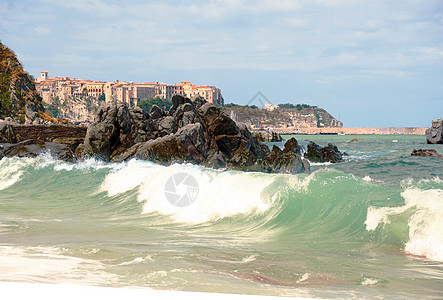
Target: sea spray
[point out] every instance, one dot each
(425, 222)
(12, 169)
(221, 194)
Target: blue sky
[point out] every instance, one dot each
(371, 63)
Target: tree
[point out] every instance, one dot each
(148, 103)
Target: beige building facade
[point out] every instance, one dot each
(60, 90)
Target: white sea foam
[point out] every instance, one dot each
(303, 278)
(12, 170)
(249, 258)
(369, 281)
(129, 177)
(220, 194)
(136, 260)
(320, 163)
(425, 225)
(48, 264)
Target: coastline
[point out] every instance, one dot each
(352, 130)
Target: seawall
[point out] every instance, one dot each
(353, 130)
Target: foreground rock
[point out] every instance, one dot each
(192, 131)
(33, 148)
(426, 153)
(330, 153)
(434, 135)
(62, 134)
(7, 134)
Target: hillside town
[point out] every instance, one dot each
(79, 99)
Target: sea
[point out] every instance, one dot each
(370, 227)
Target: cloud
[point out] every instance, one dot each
(332, 44)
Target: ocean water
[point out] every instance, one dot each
(370, 227)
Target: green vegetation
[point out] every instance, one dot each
(148, 103)
(102, 97)
(237, 105)
(52, 109)
(298, 106)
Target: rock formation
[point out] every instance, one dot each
(18, 96)
(426, 153)
(330, 153)
(192, 131)
(434, 135)
(33, 148)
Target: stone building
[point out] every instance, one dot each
(76, 95)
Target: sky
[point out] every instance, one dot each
(368, 63)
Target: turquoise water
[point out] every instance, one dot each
(369, 227)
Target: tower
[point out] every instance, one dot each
(44, 75)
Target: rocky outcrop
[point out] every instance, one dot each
(426, 153)
(306, 116)
(267, 136)
(7, 134)
(434, 135)
(33, 148)
(330, 153)
(18, 96)
(192, 131)
(287, 160)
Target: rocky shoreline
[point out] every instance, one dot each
(352, 130)
(192, 131)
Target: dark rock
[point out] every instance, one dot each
(216, 160)
(166, 125)
(434, 135)
(102, 137)
(202, 136)
(223, 131)
(330, 153)
(117, 129)
(286, 161)
(292, 146)
(33, 148)
(186, 114)
(7, 134)
(143, 126)
(198, 101)
(177, 100)
(187, 145)
(156, 112)
(426, 153)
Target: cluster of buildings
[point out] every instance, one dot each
(63, 88)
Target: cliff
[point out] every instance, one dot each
(283, 117)
(18, 96)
